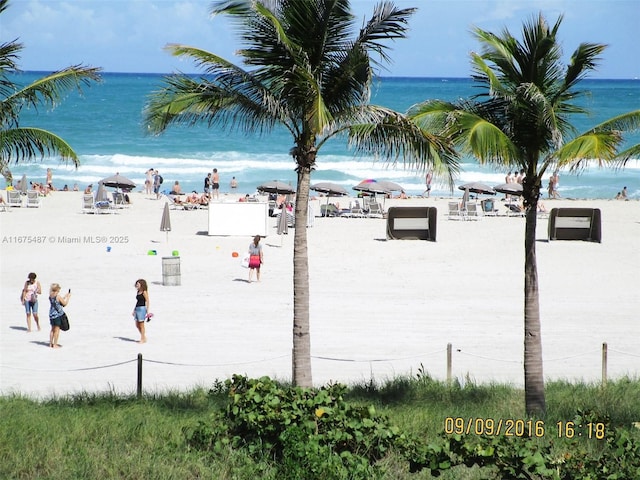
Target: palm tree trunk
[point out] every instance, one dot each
(301, 337)
(533, 375)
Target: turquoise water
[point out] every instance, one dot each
(104, 126)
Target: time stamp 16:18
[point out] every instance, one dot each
(510, 427)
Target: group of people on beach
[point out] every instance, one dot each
(57, 316)
(211, 186)
(141, 311)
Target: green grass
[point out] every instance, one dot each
(115, 437)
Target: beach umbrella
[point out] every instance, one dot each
(118, 181)
(390, 186)
(509, 188)
(371, 186)
(165, 223)
(101, 193)
(276, 186)
(23, 184)
(465, 200)
(331, 189)
(478, 187)
(283, 225)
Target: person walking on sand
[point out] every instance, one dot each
(556, 183)
(207, 184)
(215, 183)
(256, 258)
(428, 180)
(141, 311)
(29, 299)
(148, 182)
(56, 312)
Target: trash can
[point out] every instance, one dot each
(171, 271)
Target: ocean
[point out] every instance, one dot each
(104, 126)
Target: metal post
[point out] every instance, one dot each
(448, 363)
(139, 391)
(604, 364)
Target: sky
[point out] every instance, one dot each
(129, 35)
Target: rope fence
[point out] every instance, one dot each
(449, 361)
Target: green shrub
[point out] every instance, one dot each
(302, 430)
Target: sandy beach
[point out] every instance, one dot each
(379, 308)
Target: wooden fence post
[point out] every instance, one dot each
(604, 364)
(139, 390)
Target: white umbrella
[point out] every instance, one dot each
(23, 184)
(165, 223)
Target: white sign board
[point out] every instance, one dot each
(400, 223)
(573, 222)
(238, 218)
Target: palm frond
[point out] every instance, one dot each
(49, 89)
(600, 146)
(627, 122)
(387, 134)
(584, 59)
(387, 23)
(624, 156)
(27, 144)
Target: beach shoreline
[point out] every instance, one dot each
(378, 308)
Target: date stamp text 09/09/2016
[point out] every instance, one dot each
(510, 427)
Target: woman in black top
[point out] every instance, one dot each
(141, 311)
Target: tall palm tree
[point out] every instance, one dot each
(521, 119)
(27, 143)
(309, 70)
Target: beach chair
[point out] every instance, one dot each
(514, 210)
(473, 212)
(119, 200)
(488, 207)
(355, 210)
(14, 199)
(454, 212)
(88, 205)
(375, 210)
(33, 199)
(176, 204)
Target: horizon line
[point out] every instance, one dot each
(376, 76)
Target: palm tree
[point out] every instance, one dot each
(306, 73)
(27, 143)
(521, 119)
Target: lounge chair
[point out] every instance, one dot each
(329, 210)
(176, 204)
(88, 205)
(120, 200)
(488, 207)
(14, 199)
(375, 210)
(514, 210)
(355, 210)
(33, 199)
(454, 211)
(473, 212)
